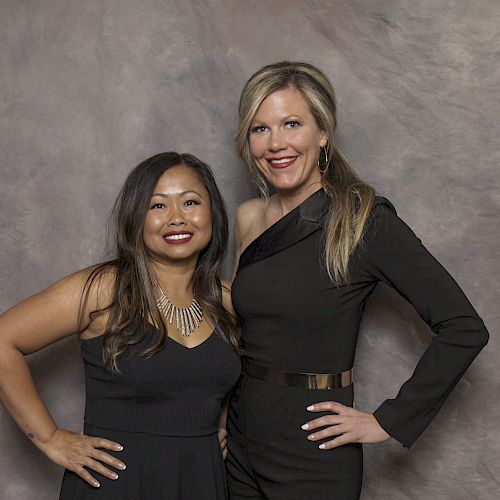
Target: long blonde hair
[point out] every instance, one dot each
(350, 199)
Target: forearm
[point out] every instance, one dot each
(21, 398)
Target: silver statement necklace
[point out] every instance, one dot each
(185, 319)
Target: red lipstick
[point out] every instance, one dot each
(283, 162)
(178, 237)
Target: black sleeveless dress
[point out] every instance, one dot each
(295, 319)
(165, 412)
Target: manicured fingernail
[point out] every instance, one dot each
(114, 475)
(322, 446)
(310, 408)
(121, 466)
(311, 436)
(96, 484)
(305, 427)
(119, 447)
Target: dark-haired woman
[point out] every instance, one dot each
(158, 343)
(310, 255)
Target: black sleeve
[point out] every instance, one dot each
(397, 257)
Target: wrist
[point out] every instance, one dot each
(42, 439)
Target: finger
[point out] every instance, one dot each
(338, 441)
(224, 454)
(86, 476)
(98, 467)
(222, 434)
(98, 442)
(332, 406)
(335, 430)
(223, 445)
(323, 422)
(108, 459)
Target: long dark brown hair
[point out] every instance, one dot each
(350, 198)
(133, 304)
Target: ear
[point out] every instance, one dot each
(323, 139)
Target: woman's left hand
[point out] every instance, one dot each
(345, 425)
(222, 434)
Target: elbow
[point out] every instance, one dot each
(467, 332)
(7, 352)
(481, 335)
(484, 336)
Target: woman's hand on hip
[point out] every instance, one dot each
(78, 452)
(345, 425)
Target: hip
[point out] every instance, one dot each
(267, 408)
(268, 448)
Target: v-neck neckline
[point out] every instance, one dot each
(156, 331)
(204, 341)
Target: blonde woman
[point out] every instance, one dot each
(309, 257)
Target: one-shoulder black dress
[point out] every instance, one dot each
(165, 412)
(294, 319)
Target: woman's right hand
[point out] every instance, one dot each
(78, 452)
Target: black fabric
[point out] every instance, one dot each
(158, 467)
(269, 455)
(164, 411)
(295, 319)
(177, 392)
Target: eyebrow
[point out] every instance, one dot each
(163, 195)
(285, 118)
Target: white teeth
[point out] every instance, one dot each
(282, 160)
(182, 236)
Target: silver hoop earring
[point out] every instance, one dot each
(325, 165)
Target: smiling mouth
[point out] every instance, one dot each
(282, 162)
(177, 238)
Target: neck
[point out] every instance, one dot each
(175, 280)
(289, 200)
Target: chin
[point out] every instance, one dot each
(287, 185)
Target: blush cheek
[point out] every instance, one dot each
(200, 219)
(303, 143)
(258, 148)
(152, 225)
(204, 224)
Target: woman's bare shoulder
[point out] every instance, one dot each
(54, 313)
(252, 208)
(249, 215)
(100, 281)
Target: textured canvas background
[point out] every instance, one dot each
(90, 88)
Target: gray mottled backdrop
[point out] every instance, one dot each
(91, 87)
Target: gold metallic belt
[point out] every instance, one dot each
(303, 380)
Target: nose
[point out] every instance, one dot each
(176, 222)
(176, 217)
(276, 141)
